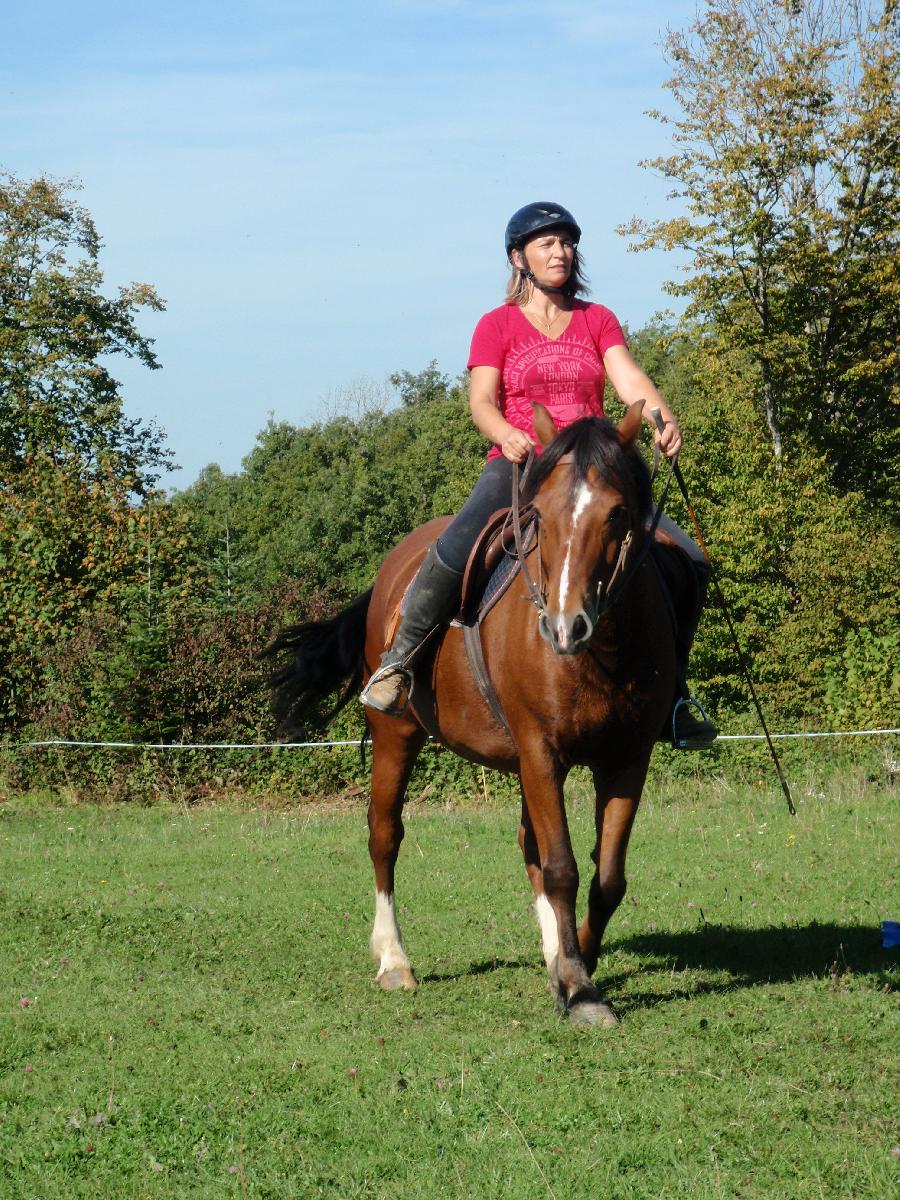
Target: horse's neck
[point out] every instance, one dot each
(627, 631)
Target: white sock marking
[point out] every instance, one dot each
(386, 943)
(549, 930)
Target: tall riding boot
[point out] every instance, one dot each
(686, 729)
(431, 600)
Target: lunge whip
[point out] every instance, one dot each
(742, 659)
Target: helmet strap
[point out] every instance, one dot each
(544, 287)
(530, 276)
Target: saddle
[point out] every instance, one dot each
(491, 567)
(493, 563)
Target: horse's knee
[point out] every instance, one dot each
(385, 836)
(560, 877)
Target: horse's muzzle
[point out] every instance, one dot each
(566, 633)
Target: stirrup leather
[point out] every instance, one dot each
(686, 743)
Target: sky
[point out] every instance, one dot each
(319, 191)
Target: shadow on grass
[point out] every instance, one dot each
(751, 957)
(780, 954)
(482, 968)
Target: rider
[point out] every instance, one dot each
(543, 344)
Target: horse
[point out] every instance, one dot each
(588, 681)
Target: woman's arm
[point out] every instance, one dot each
(633, 384)
(484, 389)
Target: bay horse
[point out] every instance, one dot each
(588, 681)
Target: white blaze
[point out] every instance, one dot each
(582, 500)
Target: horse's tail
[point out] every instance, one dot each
(326, 658)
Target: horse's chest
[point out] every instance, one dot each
(609, 711)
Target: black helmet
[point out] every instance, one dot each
(533, 218)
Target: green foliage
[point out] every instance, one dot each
(184, 676)
(862, 682)
(323, 505)
(72, 541)
(785, 161)
(71, 545)
(57, 331)
(802, 563)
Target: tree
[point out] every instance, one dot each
(72, 539)
(786, 160)
(57, 329)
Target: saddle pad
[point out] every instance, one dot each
(493, 565)
(500, 578)
(484, 593)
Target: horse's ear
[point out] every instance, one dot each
(544, 428)
(630, 426)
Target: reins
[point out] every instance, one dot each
(519, 477)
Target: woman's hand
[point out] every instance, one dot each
(516, 446)
(484, 386)
(669, 438)
(633, 384)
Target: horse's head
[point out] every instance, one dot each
(591, 489)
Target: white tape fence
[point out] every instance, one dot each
(61, 742)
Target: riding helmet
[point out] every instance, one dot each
(531, 219)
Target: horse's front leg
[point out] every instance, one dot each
(544, 820)
(395, 746)
(542, 909)
(616, 808)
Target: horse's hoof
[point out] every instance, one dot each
(397, 978)
(585, 1009)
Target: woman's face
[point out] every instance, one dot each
(549, 255)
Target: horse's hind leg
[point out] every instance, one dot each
(395, 747)
(617, 804)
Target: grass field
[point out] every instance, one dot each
(187, 1008)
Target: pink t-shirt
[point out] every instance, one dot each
(565, 374)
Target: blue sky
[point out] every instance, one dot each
(319, 191)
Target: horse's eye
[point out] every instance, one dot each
(618, 513)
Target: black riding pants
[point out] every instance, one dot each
(492, 491)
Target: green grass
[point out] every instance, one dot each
(201, 1021)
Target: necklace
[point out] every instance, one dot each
(543, 320)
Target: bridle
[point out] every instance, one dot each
(608, 592)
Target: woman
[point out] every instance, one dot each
(543, 344)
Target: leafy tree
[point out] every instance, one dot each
(421, 387)
(71, 546)
(786, 162)
(72, 538)
(803, 564)
(57, 330)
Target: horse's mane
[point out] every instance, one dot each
(594, 442)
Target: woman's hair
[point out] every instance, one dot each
(518, 289)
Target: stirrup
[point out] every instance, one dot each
(705, 732)
(384, 672)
